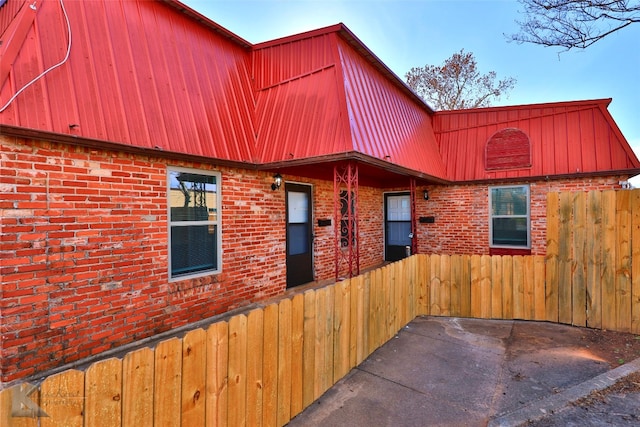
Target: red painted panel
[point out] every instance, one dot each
(8, 12)
(140, 73)
(566, 138)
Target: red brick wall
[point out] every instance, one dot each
(462, 214)
(370, 228)
(84, 252)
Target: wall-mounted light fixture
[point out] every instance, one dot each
(277, 182)
(425, 194)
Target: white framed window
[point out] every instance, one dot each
(194, 213)
(509, 217)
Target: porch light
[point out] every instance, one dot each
(277, 182)
(425, 194)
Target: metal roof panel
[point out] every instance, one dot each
(139, 74)
(567, 138)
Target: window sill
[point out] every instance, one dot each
(509, 251)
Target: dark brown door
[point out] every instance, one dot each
(299, 234)
(397, 225)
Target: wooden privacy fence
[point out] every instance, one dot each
(593, 259)
(266, 366)
(259, 368)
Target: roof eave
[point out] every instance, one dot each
(186, 10)
(618, 172)
(357, 156)
(98, 144)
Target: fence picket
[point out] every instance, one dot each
(401, 285)
(194, 362)
(518, 287)
(465, 286)
(551, 259)
(270, 366)
(341, 328)
(216, 375)
(309, 348)
(255, 347)
(578, 274)
(635, 261)
(137, 388)
(297, 336)
(593, 256)
(167, 383)
(608, 289)
(284, 362)
(410, 278)
(389, 302)
(320, 359)
(237, 387)
(539, 288)
(476, 292)
(456, 281)
(528, 288)
(623, 261)
(485, 286)
(328, 340)
(103, 394)
(507, 287)
(565, 264)
(359, 326)
(496, 287)
(62, 399)
(435, 287)
(424, 304)
(445, 285)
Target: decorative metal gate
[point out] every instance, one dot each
(345, 196)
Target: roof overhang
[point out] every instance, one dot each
(372, 171)
(98, 144)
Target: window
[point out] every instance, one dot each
(509, 217)
(194, 222)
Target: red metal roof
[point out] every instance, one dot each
(567, 138)
(158, 75)
(139, 74)
(318, 95)
(299, 111)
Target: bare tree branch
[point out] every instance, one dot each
(574, 23)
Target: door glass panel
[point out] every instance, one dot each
(398, 233)
(298, 239)
(298, 205)
(398, 208)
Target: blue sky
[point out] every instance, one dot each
(410, 33)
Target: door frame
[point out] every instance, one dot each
(308, 189)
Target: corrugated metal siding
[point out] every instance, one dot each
(299, 113)
(384, 122)
(139, 74)
(566, 138)
(278, 63)
(8, 12)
